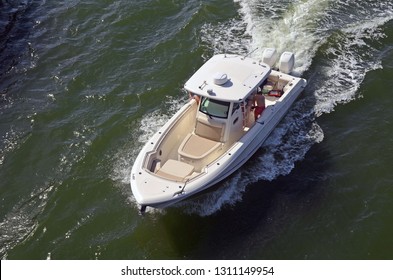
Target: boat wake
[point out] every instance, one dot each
(333, 52)
(324, 41)
(20, 223)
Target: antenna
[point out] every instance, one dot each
(250, 52)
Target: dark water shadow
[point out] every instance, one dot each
(16, 24)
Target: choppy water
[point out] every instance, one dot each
(83, 84)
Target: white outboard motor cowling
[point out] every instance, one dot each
(269, 56)
(287, 61)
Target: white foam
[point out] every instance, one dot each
(227, 37)
(228, 193)
(20, 223)
(10, 142)
(153, 121)
(285, 27)
(77, 148)
(351, 58)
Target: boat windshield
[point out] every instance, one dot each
(214, 108)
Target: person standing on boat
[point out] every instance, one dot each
(259, 104)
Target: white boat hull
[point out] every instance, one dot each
(152, 190)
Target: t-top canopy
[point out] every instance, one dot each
(228, 77)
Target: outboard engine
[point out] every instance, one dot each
(269, 56)
(287, 61)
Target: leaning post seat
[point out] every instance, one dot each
(204, 141)
(197, 147)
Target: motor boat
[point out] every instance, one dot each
(216, 132)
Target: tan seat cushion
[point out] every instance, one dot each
(197, 147)
(175, 170)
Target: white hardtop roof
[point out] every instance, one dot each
(238, 76)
